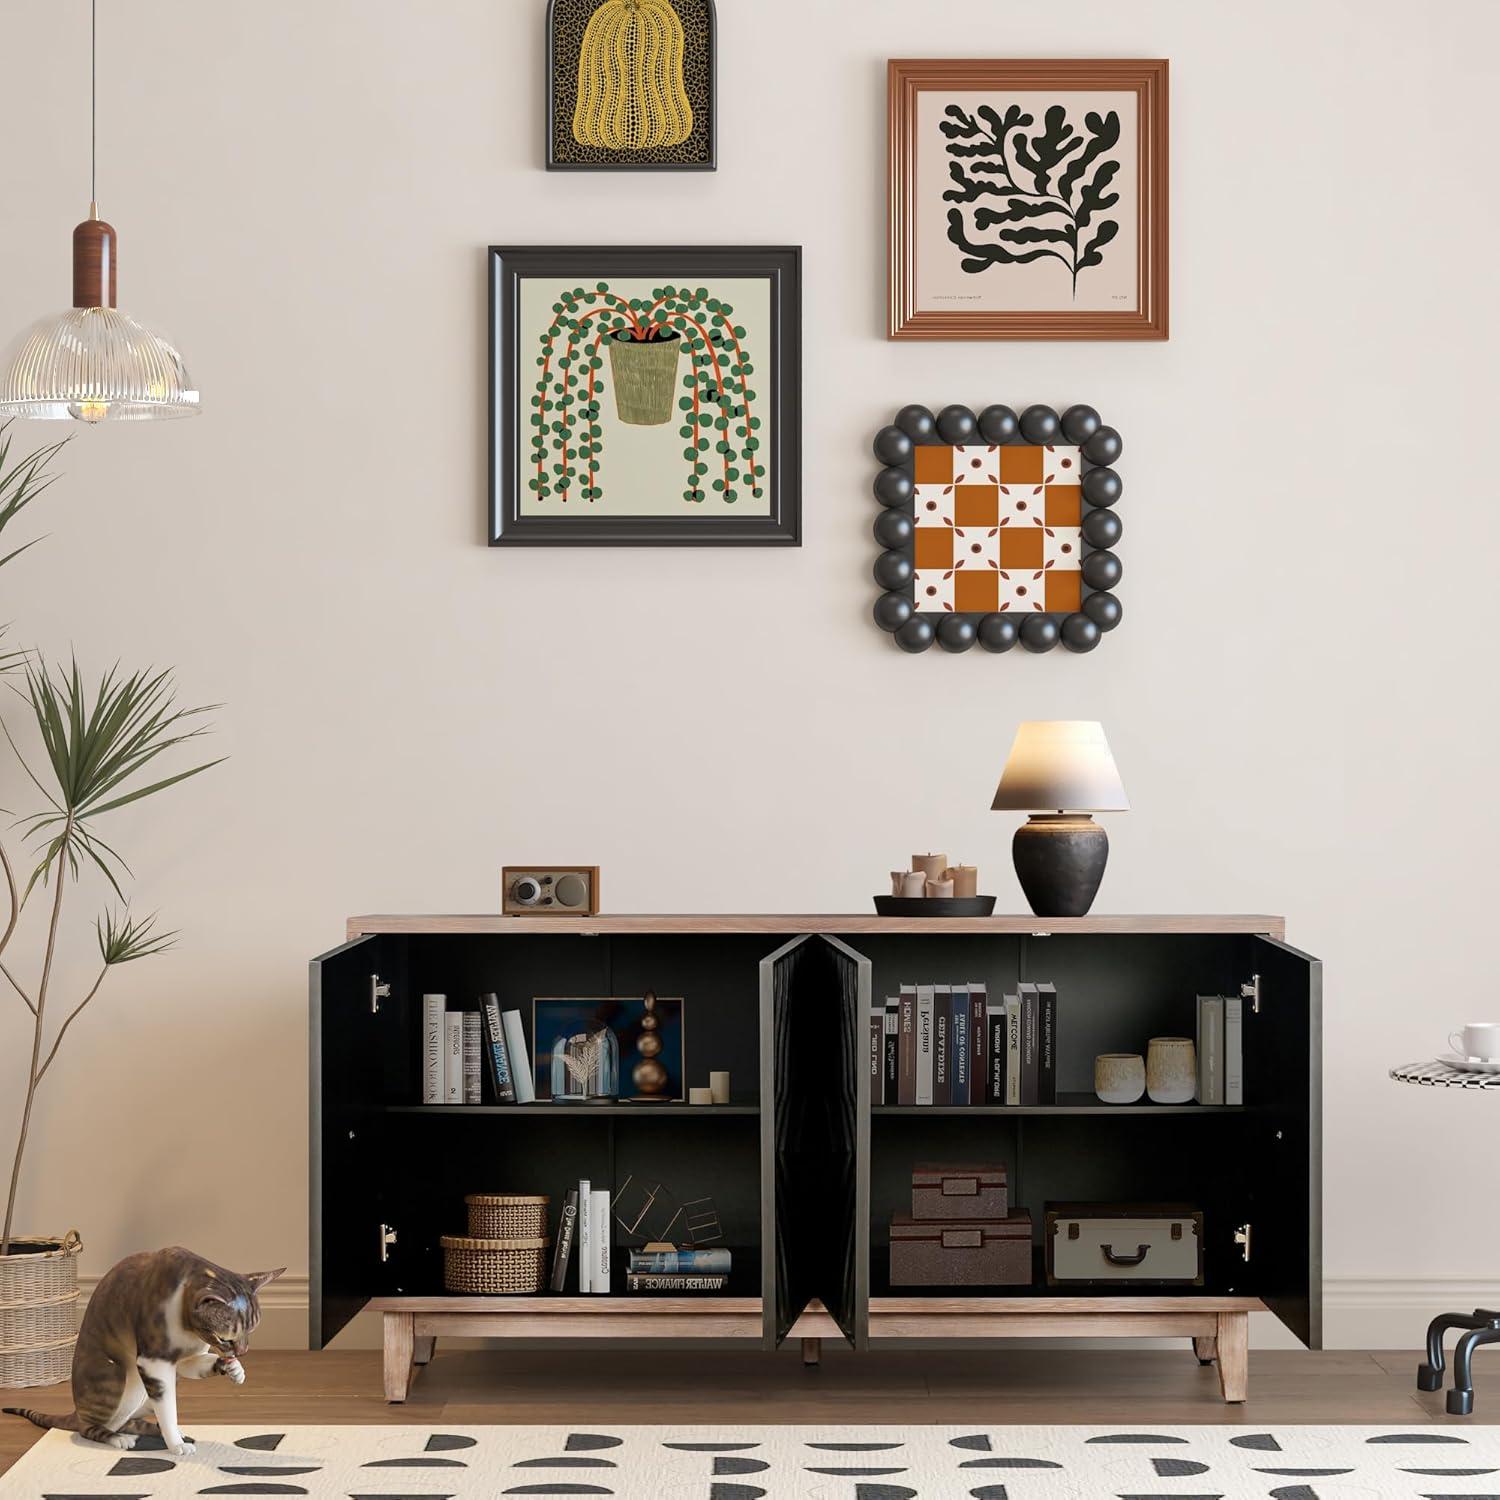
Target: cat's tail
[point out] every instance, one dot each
(44, 1419)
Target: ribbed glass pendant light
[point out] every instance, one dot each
(93, 363)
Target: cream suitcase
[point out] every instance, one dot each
(1105, 1243)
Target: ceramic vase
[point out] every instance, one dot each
(1119, 1077)
(1171, 1070)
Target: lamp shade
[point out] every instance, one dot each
(1062, 765)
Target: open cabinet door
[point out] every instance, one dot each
(1284, 1084)
(815, 1136)
(343, 1261)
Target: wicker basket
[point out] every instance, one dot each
(491, 1267)
(506, 1216)
(38, 1309)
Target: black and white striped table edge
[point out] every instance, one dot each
(1436, 1075)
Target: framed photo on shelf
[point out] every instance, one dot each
(603, 1048)
(647, 396)
(1028, 199)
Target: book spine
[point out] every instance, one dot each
(453, 1057)
(958, 1049)
(1012, 1049)
(1200, 1093)
(907, 1041)
(494, 1026)
(646, 1282)
(520, 1058)
(679, 1262)
(471, 1056)
(892, 1047)
(924, 1044)
(979, 1044)
(585, 1251)
(877, 1055)
(1030, 1054)
(433, 1007)
(562, 1251)
(942, 1044)
(994, 1027)
(1046, 1089)
(1213, 1036)
(599, 1219)
(1234, 1050)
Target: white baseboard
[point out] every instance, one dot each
(1359, 1312)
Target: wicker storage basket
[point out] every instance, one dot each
(491, 1267)
(38, 1309)
(506, 1216)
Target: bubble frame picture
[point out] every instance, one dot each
(999, 530)
(645, 395)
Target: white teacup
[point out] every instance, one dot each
(1479, 1039)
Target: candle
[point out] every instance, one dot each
(942, 888)
(913, 883)
(931, 865)
(965, 879)
(718, 1086)
(700, 1096)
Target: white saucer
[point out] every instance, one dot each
(1469, 1064)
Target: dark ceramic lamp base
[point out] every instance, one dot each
(1060, 859)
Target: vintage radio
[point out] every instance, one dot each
(1095, 1244)
(549, 891)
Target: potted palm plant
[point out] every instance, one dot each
(100, 743)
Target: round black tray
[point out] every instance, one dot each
(935, 906)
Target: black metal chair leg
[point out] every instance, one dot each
(1461, 1398)
(1430, 1375)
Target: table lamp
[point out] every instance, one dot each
(1060, 771)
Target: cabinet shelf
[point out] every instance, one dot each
(575, 1111)
(1067, 1104)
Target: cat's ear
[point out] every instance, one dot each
(258, 1279)
(209, 1297)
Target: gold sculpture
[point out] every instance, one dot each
(631, 94)
(650, 1074)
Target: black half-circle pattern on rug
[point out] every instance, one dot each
(1264, 1442)
(445, 1442)
(560, 1488)
(384, 1496)
(134, 1465)
(734, 1492)
(1416, 1437)
(261, 1442)
(1305, 1473)
(1009, 1463)
(1148, 1495)
(1295, 1492)
(582, 1442)
(711, 1447)
(285, 1471)
(50, 1495)
(723, 1465)
(856, 1473)
(1444, 1473)
(978, 1441)
(990, 1492)
(883, 1492)
(1177, 1468)
(254, 1487)
(415, 1463)
(855, 1447)
(1137, 1437)
(565, 1463)
(151, 1442)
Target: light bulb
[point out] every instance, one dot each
(89, 411)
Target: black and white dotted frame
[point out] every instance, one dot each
(895, 526)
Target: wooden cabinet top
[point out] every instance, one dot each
(857, 922)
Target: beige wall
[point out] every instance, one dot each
(1301, 699)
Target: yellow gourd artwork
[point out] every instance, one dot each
(631, 94)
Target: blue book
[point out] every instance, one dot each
(959, 1060)
(679, 1262)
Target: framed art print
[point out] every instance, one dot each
(1028, 199)
(630, 85)
(645, 396)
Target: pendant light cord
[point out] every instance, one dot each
(93, 99)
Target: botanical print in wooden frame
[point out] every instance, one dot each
(1028, 199)
(998, 530)
(646, 395)
(630, 85)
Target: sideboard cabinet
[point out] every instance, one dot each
(805, 1173)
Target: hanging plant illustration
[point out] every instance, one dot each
(1054, 186)
(631, 93)
(680, 339)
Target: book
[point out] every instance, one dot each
(679, 1262)
(877, 1054)
(453, 1057)
(979, 1043)
(1030, 1054)
(994, 1026)
(584, 1254)
(641, 1281)
(470, 1025)
(942, 1043)
(892, 1063)
(433, 1007)
(599, 1223)
(1012, 1049)
(495, 1051)
(1234, 1050)
(562, 1249)
(520, 1058)
(1210, 1045)
(1046, 1084)
(924, 1044)
(906, 1041)
(959, 1047)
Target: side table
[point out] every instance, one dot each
(1482, 1326)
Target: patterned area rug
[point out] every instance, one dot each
(746, 1463)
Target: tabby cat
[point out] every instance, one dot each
(156, 1316)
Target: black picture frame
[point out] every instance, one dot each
(993, 429)
(779, 370)
(708, 163)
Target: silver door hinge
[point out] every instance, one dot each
(380, 989)
(1251, 992)
(1242, 1239)
(387, 1239)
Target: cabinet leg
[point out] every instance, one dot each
(1207, 1349)
(424, 1346)
(399, 1341)
(812, 1351)
(1233, 1343)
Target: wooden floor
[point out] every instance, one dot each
(900, 1387)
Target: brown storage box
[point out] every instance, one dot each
(1102, 1244)
(968, 1252)
(961, 1192)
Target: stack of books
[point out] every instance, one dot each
(669, 1270)
(1221, 1050)
(952, 1044)
(458, 1047)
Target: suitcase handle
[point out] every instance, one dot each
(1125, 1260)
(960, 1187)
